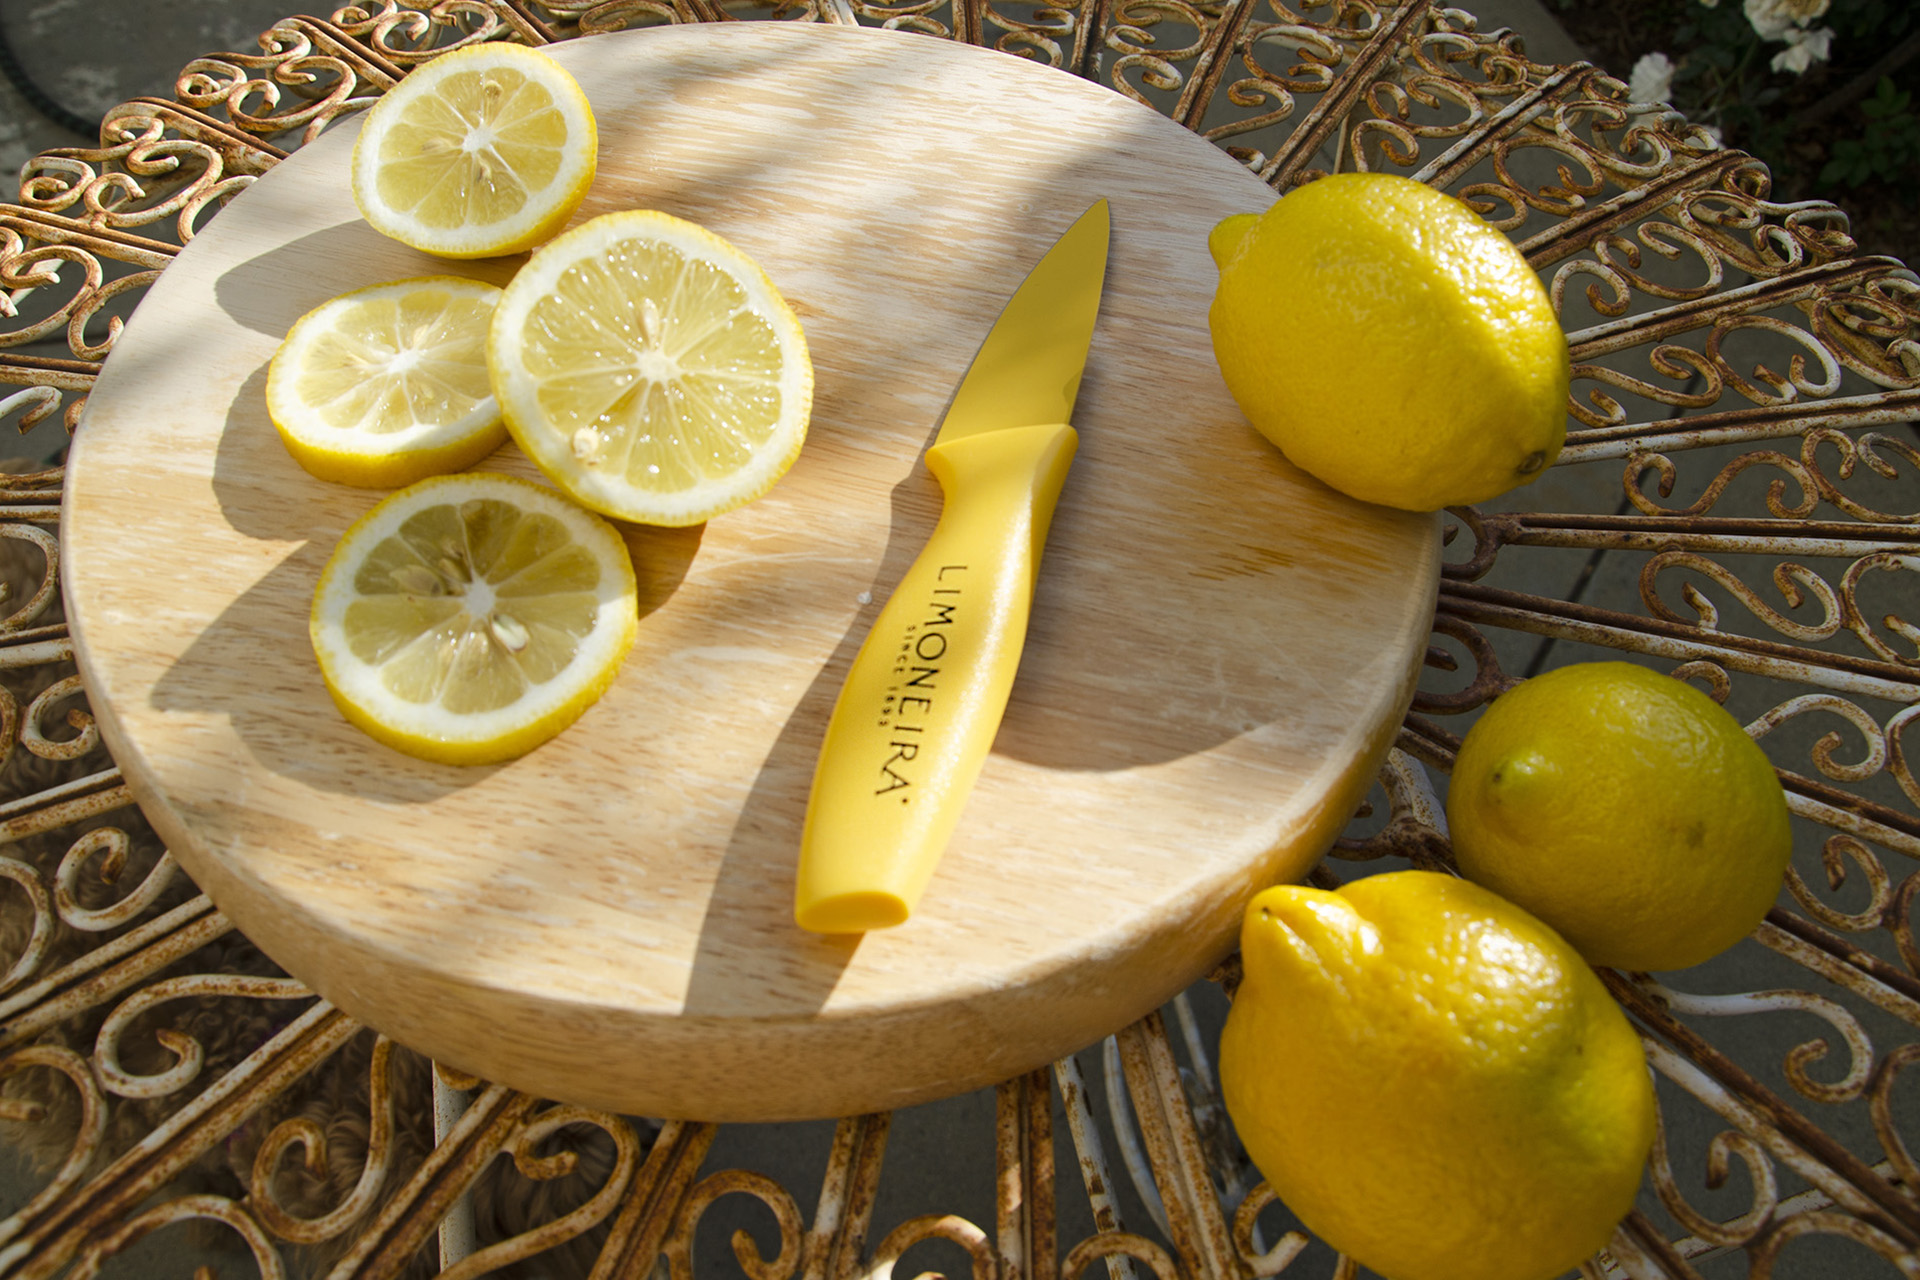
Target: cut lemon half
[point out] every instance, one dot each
(468, 619)
(486, 150)
(651, 369)
(387, 385)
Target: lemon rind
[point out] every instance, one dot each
(395, 471)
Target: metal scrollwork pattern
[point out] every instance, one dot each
(1748, 377)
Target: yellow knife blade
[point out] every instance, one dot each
(925, 694)
(1028, 370)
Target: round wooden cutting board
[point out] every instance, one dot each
(1220, 649)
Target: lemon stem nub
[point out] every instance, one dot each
(1225, 239)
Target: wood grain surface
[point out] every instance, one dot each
(1221, 647)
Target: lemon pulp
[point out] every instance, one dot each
(469, 618)
(485, 150)
(386, 385)
(651, 369)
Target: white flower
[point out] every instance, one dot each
(1804, 48)
(1772, 19)
(1652, 79)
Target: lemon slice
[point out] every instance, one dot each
(469, 618)
(387, 385)
(485, 150)
(651, 369)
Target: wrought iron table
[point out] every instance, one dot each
(163, 1070)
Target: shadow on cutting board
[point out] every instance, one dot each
(254, 662)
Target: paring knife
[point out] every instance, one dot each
(925, 694)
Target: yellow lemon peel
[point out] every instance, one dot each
(1415, 1043)
(1626, 809)
(1390, 342)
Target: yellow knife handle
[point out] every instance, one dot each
(924, 698)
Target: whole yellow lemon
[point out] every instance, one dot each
(1432, 1080)
(1390, 342)
(1626, 809)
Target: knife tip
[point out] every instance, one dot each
(1098, 213)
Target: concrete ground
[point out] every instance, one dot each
(89, 54)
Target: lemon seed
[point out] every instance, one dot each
(417, 580)
(509, 631)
